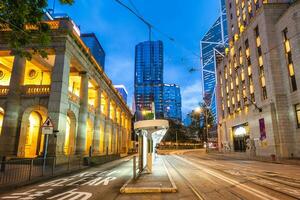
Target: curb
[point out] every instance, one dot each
(135, 190)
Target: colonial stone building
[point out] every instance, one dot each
(71, 88)
(259, 79)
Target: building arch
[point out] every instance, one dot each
(71, 126)
(31, 140)
(89, 134)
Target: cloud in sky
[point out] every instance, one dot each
(191, 96)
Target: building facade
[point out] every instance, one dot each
(123, 92)
(172, 102)
(148, 79)
(70, 88)
(95, 47)
(212, 47)
(258, 80)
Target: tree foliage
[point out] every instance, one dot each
(16, 14)
(198, 126)
(176, 128)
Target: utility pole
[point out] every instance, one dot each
(138, 16)
(176, 140)
(206, 123)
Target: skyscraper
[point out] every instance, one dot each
(172, 102)
(212, 46)
(148, 78)
(258, 79)
(93, 43)
(122, 90)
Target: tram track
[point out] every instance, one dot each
(188, 183)
(255, 179)
(292, 183)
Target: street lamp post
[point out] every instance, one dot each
(206, 124)
(205, 112)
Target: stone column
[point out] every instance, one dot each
(107, 124)
(12, 116)
(115, 129)
(83, 114)
(59, 101)
(97, 122)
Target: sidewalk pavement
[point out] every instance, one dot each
(159, 181)
(245, 156)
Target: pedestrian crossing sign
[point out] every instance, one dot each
(47, 127)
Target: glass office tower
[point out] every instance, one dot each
(148, 78)
(213, 46)
(93, 43)
(122, 90)
(172, 102)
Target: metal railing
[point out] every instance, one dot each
(22, 171)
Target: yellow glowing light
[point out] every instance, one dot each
(67, 136)
(287, 46)
(1, 118)
(291, 69)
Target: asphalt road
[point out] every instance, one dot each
(197, 176)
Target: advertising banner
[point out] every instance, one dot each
(262, 129)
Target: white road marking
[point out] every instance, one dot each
(72, 195)
(86, 178)
(237, 184)
(28, 195)
(99, 180)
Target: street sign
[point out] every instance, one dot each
(47, 127)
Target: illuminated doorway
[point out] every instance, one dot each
(34, 140)
(89, 136)
(67, 136)
(240, 136)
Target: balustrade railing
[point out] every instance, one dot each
(33, 90)
(91, 108)
(4, 90)
(74, 98)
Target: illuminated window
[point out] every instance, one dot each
(261, 64)
(297, 109)
(112, 111)
(1, 118)
(289, 60)
(104, 104)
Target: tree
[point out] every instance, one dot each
(16, 14)
(176, 128)
(198, 126)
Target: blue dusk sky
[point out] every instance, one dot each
(119, 31)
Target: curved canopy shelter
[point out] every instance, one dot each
(150, 133)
